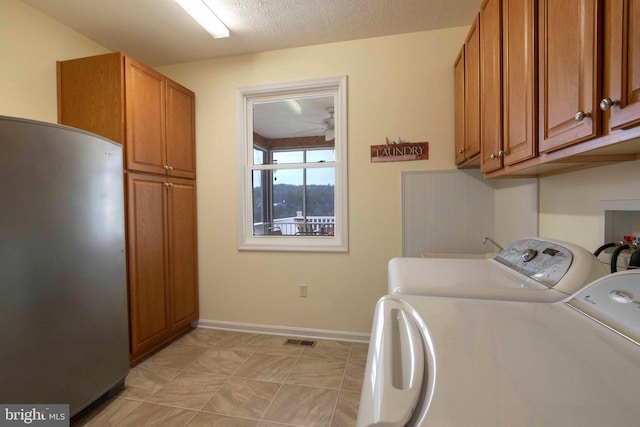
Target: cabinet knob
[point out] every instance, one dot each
(168, 184)
(501, 153)
(581, 115)
(166, 167)
(170, 168)
(607, 103)
(493, 156)
(462, 150)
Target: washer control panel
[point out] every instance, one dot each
(613, 301)
(545, 262)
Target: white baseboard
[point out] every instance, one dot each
(283, 330)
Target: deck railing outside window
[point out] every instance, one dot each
(297, 226)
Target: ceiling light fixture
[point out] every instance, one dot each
(200, 11)
(295, 106)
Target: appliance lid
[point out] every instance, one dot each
(518, 272)
(614, 302)
(517, 363)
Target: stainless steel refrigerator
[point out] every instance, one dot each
(63, 306)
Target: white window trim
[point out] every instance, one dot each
(246, 239)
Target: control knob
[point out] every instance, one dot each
(529, 254)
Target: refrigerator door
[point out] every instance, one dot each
(63, 289)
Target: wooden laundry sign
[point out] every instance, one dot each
(400, 152)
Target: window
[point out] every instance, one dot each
(292, 166)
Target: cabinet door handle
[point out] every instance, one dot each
(581, 115)
(168, 184)
(607, 103)
(495, 156)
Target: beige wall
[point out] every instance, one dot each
(570, 203)
(397, 86)
(30, 45)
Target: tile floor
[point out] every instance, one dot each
(214, 378)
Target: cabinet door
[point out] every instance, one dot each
(472, 90)
(622, 64)
(459, 110)
(569, 76)
(145, 145)
(491, 85)
(180, 115)
(147, 254)
(519, 80)
(183, 252)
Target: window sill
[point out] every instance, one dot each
(294, 244)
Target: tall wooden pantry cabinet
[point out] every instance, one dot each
(153, 117)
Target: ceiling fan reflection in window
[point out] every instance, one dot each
(291, 118)
(327, 126)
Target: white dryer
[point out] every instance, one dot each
(532, 269)
(460, 362)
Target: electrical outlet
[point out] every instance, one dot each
(302, 291)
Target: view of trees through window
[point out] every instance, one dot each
(289, 200)
(294, 193)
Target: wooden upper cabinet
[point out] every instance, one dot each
(146, 143)
(519, 80)
(505, 101)
(491, 85)
(569, 86)
(122, 99)
(472, 90)
(91, 95)
(569, 72)
(621, 92)
(459, 108)
(180, 114)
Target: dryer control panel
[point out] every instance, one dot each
(614, 301)
(543, 261)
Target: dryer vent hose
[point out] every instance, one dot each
(614, 257)
(634, 261)
(603, 247)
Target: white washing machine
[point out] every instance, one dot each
(459, 362)
(532, 269)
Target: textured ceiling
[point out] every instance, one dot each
(159, 32)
